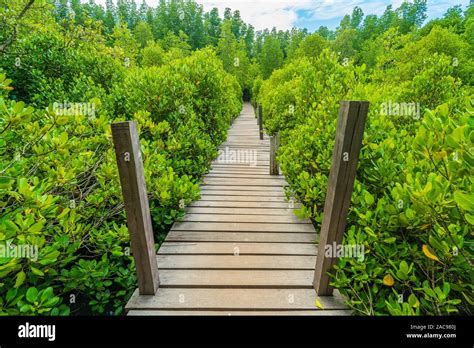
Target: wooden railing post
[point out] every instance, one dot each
(260, 121)
(349, 133)
(274, 144)
(132, 180)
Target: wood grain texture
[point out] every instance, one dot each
(349, 133)
(216, 248)
(274, 145)
(132, 181)
(289, 262)
(326, 312)
(245, 237)
(248, 279)
(235, 299)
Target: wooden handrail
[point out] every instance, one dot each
(274, 145)
(349, 133)
(132, 180)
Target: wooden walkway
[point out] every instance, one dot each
(240, 250)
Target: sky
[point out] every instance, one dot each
(310, 14)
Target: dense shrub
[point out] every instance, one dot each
(412, 203)
(59, 189)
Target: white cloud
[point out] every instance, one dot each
(283, 14)
(262, 13)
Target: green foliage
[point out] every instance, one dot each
(411, 205)
(143, 33)
(152, 55)
(271, 56)
(234, 56)
(311, 46)
(60, 196)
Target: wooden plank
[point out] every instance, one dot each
(238, 171)
(326, 312)
(236, 279)
(234, 175)
(267, 197)
(242, 227)
(241, 211)
(274, 219)
(235, 299)
(240, 167)
(349, 133)
(261, 146)
(246, 182)
(262, 204)
(259, 164)
(242, 237)
(236, 262)
(247, 193)
(230, 188)
(132, 180)
(213, 248)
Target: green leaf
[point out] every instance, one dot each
(31, 294)
(18, 107)
(36, 271)
(20, 279)
(404, 266)
(446, 289)
(470, 218)
(452, 142)
(413, 301)
(46, 294)
(464, 200)
(25, 308)
(11, 294)
(37, 227)
(51, 302)
(11, 226)
(369, 199)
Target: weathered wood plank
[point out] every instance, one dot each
(217, 236)
(213, 248)
(246, 182)
(245, 171)
(241, 211)
(233, 175)
(247, 193)
(326, 312)
(235, 299)
(236, 262)
(229, 188)
(240, 167)
(236, 278)
(274, 219)
(218, 196)
(262, 204)
(242, 227)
